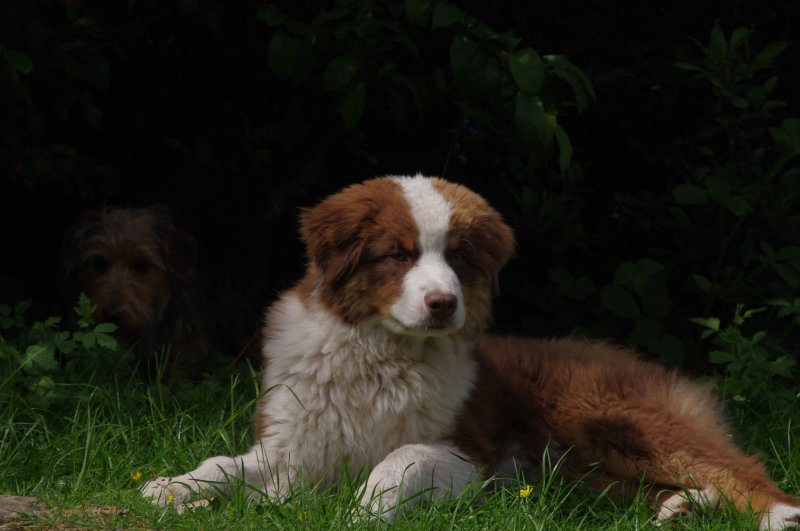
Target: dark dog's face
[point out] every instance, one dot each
(127, 261)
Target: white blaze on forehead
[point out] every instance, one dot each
(430, 211)
(431, 272)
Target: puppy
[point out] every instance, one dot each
(139, 269)
(377, 354)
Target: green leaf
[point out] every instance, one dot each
(736, 204)
(770, 84)
(564, 148)
(92, 114)
(766, 56)
(528, 111)
(527, 69)
(720, 356)
(446, 14)
(66, 150)
(739, 102)
(291, 59)
(63, 342)
(690, 194)
(106, 341)
(689, 67)
(712, 323)
(702, 282)
(271, 16)
(625, 274)
(105, 328)
(620, 302)
(475, 72)
(417, 12)
(787, 274)
(567, 71)
(783, 366)
(546, 127)
(718, 46)
(739, 36)
(718, 185)
(88, 339)
(339, 72)
(19, 60)
(41, 356)
(655, 298)
(353, 106)
(768, 250)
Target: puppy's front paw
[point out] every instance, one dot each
(381, 505)
(166, 491)
(780, 516)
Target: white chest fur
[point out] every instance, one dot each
(336, 390)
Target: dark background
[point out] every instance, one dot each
(183, 103)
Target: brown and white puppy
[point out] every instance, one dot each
(139, 269)
(377, 355)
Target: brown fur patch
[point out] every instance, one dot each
(636, 419)
(351, 238)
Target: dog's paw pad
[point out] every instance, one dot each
(780, 516)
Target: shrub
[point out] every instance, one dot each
(39, 362)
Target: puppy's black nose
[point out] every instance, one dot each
(441, 305)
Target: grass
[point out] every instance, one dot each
(87, 456)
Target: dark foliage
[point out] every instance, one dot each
(656, 183)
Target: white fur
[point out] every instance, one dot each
(682, 503)
(337, 391)
(430, 273)
(414, 473)
(780, 516)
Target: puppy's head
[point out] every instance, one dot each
(420, 256)
(128, 261)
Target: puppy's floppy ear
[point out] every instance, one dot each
(76, 237)
(182, 255)
(179, 247)
(333, 233)
(500, 243)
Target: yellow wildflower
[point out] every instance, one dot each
(301, 515)
(170, 498)
(136, 476)
(525, 492)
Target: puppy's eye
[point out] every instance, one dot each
(100, 264)
(140, 267)
(458, 258)
(399, 256)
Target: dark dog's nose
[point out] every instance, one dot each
(113, 314)
(441, 305)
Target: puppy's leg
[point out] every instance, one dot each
(681, 441)
(413, 473)
(216, 474)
